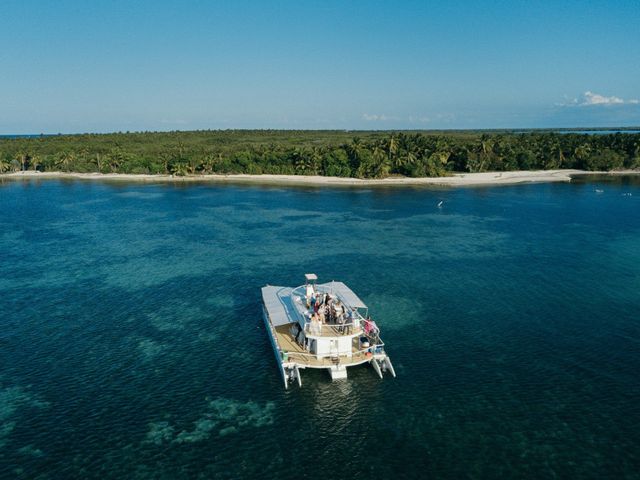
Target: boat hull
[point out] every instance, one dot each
(299, 342)
(276, 349)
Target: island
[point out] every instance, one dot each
(462, 157)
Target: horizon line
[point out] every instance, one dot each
(380, 130)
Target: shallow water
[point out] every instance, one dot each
(132, 346)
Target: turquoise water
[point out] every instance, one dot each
(132, 346)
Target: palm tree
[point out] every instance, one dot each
(381, 164)
(166, 157)
(66, 160)
(404, 162)
(181, 149)
(302, 162)
(410, 159)
(23, 158)
(355, 150)
(581, 154)
(117, 158)
(98, 159)
(4, 165)
(379, 150)
(35, 162)
(179, 168)
(443, 156)
(208, 163)
(114, 163)
(315, 160)
(552, 154)
(483, 153)
(392, 147)
(192, 165)
(635, 160)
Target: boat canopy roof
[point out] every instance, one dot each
(279, 305)
(344, 292)
(279, 302)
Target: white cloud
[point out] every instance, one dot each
(374, 118)
(590, 98)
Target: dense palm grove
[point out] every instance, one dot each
(331, 153)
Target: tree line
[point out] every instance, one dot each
(329, 153)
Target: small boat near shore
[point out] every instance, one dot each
(321, 326)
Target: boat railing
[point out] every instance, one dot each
(372, 349)
(356, 325)
(333, 329)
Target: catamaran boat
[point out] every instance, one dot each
(321, 326)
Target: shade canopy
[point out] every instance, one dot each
(343, 292)
(279, 305)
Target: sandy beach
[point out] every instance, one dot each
(456, 180)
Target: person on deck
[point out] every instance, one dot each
(339, 313)
(315, 324)
(309, 295)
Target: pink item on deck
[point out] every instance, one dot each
(368, 326)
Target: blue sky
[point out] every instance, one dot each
(100, 66)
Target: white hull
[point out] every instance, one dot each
(276, 349)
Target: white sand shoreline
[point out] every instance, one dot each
(456, 180)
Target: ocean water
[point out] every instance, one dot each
(598, 132)
(132, 345)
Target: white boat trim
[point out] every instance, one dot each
(376, 367)
(387, 362)
(274, 343)
(297, 374)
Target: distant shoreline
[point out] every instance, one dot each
(455, 180)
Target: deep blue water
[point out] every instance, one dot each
(582, 132)
(24, 135)
(598, 132)
(132, 346)
(579, 132)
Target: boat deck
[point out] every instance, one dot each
(303, 358)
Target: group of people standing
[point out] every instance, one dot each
(329, 311)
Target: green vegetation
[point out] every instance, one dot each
(371, 154)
